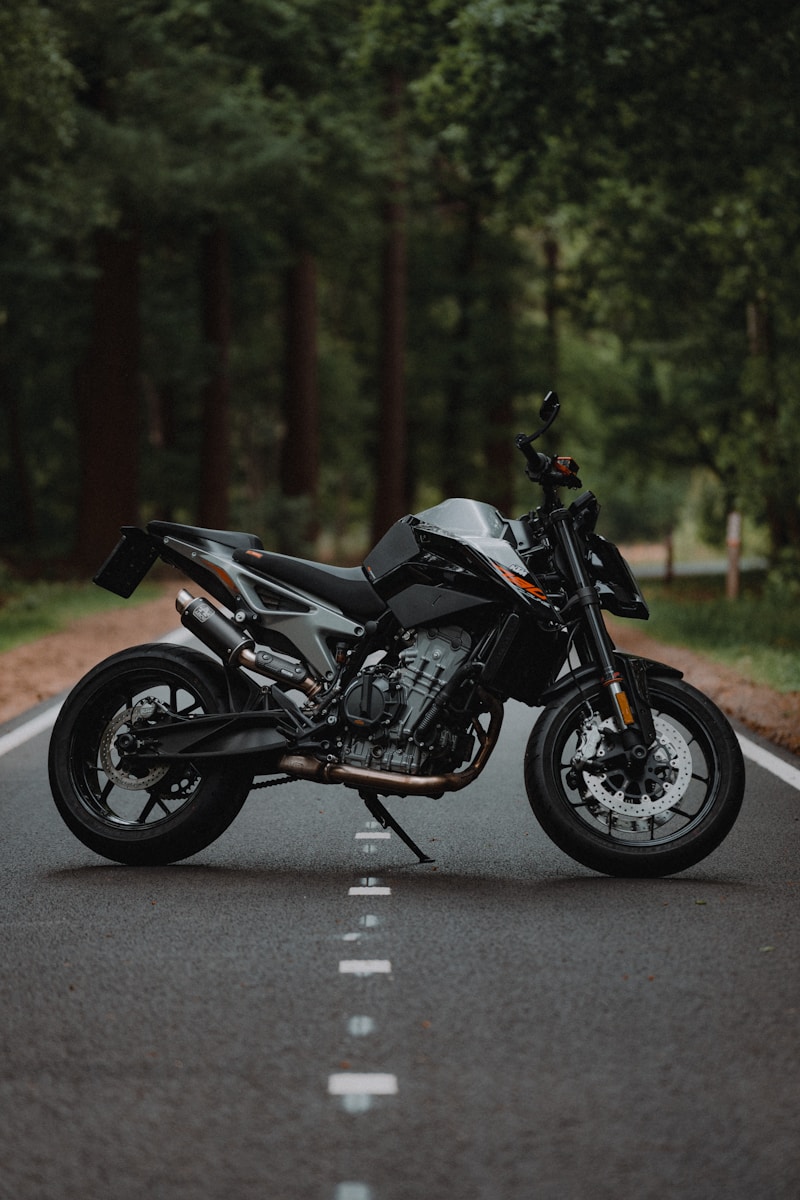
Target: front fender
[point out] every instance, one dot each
(632, 667)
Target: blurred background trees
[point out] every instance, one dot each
(301, 268)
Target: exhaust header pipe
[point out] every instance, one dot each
(391, 783)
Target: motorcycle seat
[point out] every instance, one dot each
(346, 587)
(232, 539)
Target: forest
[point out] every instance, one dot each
(303, 266)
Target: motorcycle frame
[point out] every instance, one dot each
(299, 617)
(263, 610)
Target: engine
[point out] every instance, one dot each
(388, 709)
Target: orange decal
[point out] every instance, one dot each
(524, 584)
(223, 575)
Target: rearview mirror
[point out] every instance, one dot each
(547, 414)
(549, 410)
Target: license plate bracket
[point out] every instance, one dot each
(128, 563)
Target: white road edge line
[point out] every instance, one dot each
(770, 762)
(31, 729)
(46, 719)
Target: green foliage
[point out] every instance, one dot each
(759, 635)
(600, 194)
(672, 158)
(32, 610)
(36, 80)
(783, 580)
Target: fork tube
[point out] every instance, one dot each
(586, 595)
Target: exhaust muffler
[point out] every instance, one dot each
(236, 647)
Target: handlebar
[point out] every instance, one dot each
(548, 471)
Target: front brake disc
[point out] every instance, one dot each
(649, 789)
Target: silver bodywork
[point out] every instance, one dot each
(302, 618)
(479, 524)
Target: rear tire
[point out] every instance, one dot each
(162, 814)
(651, 822)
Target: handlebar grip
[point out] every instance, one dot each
(538, 466)
(538, 463)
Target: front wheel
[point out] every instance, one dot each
(142, 816)
(636, 819)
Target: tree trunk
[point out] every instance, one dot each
(107, 402)
(782, 513)
(455, 473)
(215, 467)
(551, 304)
(391, 491)
(503, 460)
(24, 510)
(301, 453)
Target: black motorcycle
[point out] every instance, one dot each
(391, 678)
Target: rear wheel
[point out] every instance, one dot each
(627, 818)
(142, 815)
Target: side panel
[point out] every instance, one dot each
(397, 546)
(422, 604)
(525, 659)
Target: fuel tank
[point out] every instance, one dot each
(446, 561)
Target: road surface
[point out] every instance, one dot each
(302, 1012)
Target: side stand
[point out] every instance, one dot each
(387, 821)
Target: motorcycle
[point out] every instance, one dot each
(391, 679)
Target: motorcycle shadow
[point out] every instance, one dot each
(413, 881)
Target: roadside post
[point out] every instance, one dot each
(734, 544)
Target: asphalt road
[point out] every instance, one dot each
(503, 1025)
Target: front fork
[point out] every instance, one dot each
(627, 695)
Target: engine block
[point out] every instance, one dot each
(385, 705)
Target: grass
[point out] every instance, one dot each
(31, 610)
(758, 634)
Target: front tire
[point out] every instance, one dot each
(654, 820)
(155, 815)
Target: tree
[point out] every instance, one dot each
(37, 128)
(212, 121)
(300, 458)
(391, 490)
(673, 154)
(107, 401)
(215, 474)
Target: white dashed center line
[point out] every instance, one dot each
(356, 1089)
(349, 1083)
(365, 966)
(360, 1026)
(353, 1191)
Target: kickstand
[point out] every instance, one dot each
(387, 821)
